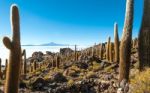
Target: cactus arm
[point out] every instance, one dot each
(7, 42)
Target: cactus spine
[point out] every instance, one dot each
(116, 43)
(144, 37)
(12, 78)
(107, 49)
(125, 46)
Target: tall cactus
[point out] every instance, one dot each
(6, 66)
(34, 65)
(144, 37)
(31, 67)
(116, 43)
(101, 51)
(134, 43)
(12, 78)
(92, 51)
(125, 46)
(58, 61)
(24, 63)
(111, 46)
(75, 53)
(107, 49)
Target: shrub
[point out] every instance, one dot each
(96, 66)
(141, 82)
(70, 82)
(91, 75)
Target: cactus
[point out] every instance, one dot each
(24, 63)
(101, 51)
(58, 61)
(111, 52)
(134, 43)
(107, 49)
(53, 62)
(94, 50)
(6, 65)
(12, 78)
(75, 53)
(116, 43)
(144, 38)
(34, 65)
(125, 46)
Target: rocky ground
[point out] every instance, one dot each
(87, 75)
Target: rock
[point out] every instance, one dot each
(104, 64)
(67, 65)
(126, 88)
(58, 77)
(49, 53)
(66, 51)
(105, 86)
(82, 65)
(91, 75)
(38, 56)
(38, 84)
(123, 83)
(22, 85)
(119, 90)
(108, 77)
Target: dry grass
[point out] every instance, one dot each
(141, 82)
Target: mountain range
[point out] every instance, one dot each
(47, 44)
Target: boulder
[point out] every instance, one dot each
(38, 84)
(58, 77)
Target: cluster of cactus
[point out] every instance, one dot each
(111, 50)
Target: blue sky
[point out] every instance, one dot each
(81, 22)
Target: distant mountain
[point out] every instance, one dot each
(53, 44)
(47, 44)
(29, 45)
